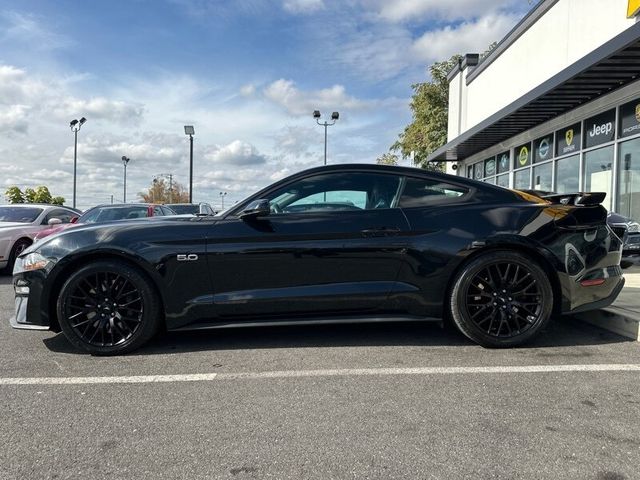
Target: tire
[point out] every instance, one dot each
(108, 308)
(501, 299)
(18, 247)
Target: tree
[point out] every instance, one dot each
(387, 159)
(429, 107)
(40, 194)
(14, 195)
(430, 111)
(159, 192)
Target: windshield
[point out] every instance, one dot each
(108, 214)
(19, 214)
(184, 208)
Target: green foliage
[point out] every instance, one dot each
(40, 194)
(387, 159)
(429, 106)
(14, 195)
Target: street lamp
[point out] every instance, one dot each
(222, 195)
(188, 130)
(75, 126)
(334, 116)
(125, 160)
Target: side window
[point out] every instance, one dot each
(64, 215)
(157, 211)
(337, 192)
(423, 192)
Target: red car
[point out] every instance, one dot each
(110, 213)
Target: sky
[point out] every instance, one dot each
(247, 74)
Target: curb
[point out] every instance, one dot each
(614, 319)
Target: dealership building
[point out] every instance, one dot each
(555, 106)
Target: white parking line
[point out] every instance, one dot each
(207, 377)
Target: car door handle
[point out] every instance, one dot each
(380, 232)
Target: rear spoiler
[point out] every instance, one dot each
(578, 198)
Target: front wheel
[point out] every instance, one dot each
(501, 299)
(108, 308)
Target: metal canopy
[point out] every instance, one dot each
(611, 66)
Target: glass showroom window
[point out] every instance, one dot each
(568, 174)
(542, 177)
(522, 179)
(597, 172)
(503, 180)
(629, 179)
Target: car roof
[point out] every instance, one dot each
(38, 205)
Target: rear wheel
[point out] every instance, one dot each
(108, 308)
(501, 299)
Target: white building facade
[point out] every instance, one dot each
(555, 106)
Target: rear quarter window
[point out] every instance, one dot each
(424, 192)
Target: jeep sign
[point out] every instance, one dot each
(600, 129)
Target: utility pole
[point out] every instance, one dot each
(334, 116)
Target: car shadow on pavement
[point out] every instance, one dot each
(563, 332)
(6, 279)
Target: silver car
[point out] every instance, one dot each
(20, 223)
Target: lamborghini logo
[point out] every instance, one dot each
(524, 156)
(638, 113)
(569, 137)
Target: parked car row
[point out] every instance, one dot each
(23, 224)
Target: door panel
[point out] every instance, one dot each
(310, 263)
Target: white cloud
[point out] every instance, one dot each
(25, 98)
(303, 6)
(237, 153)
(468, 37)
(247, 90)
(417, 10)
(298, 102)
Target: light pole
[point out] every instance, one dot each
(75, 126)
(222, 195)
(170, 177)
(188, 130)
(125, 161)
(334, 116)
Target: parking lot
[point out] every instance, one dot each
(366, 401)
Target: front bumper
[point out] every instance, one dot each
(30, 312)
(19, 319)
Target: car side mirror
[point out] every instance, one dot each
(54, 221)
(257, 208)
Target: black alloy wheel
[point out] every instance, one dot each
(502, 298)
(108, 308)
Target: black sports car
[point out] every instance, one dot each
(346, 243)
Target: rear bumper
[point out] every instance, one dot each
(618, 284)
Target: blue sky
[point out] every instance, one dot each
(247, 74)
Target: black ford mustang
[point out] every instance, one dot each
(342, 243)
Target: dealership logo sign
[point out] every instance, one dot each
(523, 157)
(604, 129)
(569, 137)
(504, 162)
(543, 149)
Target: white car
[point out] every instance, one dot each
(19, 224)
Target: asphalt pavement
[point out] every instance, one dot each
(366, 401)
